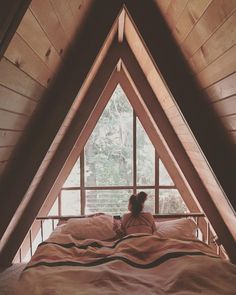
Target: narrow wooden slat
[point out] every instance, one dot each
(163, 5)
(217, 12)
(223, 66)
(174, 11)
(12, 121)
(35, 37)
(48, 20)
(5, 152)
(222, 40)
(10, 17)
(19, 53)
(12, 101)
(224, 88)
(230, 122)
(17, 80)
(9, 138)
(2, 167)
(190, 16)
(226, 106)
(65, 16)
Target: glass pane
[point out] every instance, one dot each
(165, 178)
(149, 205)
(113, 202)
(145, 158)
(170, 201)
(109, 150)
(73, 179)
(70, 202)
(54, 210)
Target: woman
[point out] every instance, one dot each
(137, 221)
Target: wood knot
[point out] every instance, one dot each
(48, 52)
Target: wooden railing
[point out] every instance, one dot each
(210, 238)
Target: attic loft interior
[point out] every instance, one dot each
(176, 72)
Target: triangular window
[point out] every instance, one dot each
(118, 160)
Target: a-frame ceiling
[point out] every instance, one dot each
(151, 69)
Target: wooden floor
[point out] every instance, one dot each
(8, 277)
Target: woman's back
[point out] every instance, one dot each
(141, 223)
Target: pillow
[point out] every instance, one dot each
(177, 229)
(96, 227)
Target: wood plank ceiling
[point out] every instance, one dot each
(50, 70)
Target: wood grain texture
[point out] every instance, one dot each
(190, 16)
(221, 41)
(32, 33)
(220, 68)
(19, 53)
(48, 20)
(15, 102)
(174, 11)
(5, 152)
(15, 79)
(226, 106)
(9, 138)
(215, 15)
(223, 88)
(12, 121)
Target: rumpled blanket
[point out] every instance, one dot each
(135, 264)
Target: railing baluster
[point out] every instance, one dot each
(30, 237)
(41, 227)
(20, 255)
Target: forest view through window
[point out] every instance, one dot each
(118, 160)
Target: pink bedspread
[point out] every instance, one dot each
(136, 264)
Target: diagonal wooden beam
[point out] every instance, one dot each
(121, 26)
(62, 161)
(55, 105)
(139, 81)
(208, 130)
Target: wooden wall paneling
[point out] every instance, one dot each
(12, 121)
(15, 79)
(19, 53)
(48, 20)
(225, 106)
(15, 102)
(50, 183)
(5, 152)
(174, 12)
(79, 10)
(222, 89)
(163, 5)
(9, 138)
(65, 16)
(190, 16)
(217, 70)
(70, 79)
(215, 15)
(32, 33)
(11, 14)
(230, 122)
(222, 40)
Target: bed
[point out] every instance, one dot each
(85, 256)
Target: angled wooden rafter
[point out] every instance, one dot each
(77, 66)
(208, 131)
(77, 133)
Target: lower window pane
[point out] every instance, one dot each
(70, 202)
(170, 201)
(113, 202)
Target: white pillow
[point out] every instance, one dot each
(96, 227)
(177, 229)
